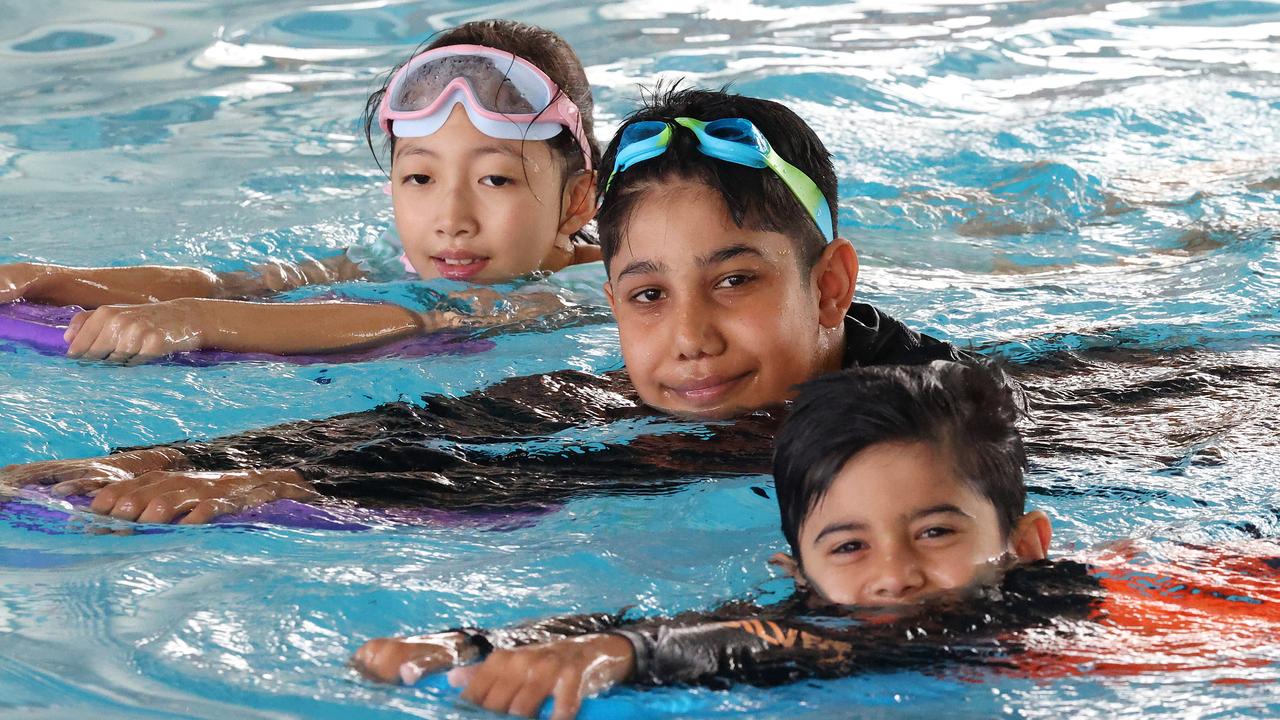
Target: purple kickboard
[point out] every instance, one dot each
(42, 326)
(294, 514)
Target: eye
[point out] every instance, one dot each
(849, 546)
(496, 180)
(417, 179)
(647, 295)
(938, 531)
(735, 280)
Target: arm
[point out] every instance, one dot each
(408, 659)
(93, 287)
(139, 333)
(158, 485)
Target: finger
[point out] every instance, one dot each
(504, 689)
(567, 696)
(411, 671)
(77, 322)
(105, 500)
(81, 486)
(108, 339)
(87, 332)
(165, 507)
(134, 495)
(485, 676)
(460, 677)
(375, 660)
(129, 505)
(207, 510)
(128, 341)
(528, 700)
(153, 347)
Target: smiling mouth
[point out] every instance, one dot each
(459, 266)
(709, 391)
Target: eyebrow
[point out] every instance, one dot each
(728, 253)
(946, 508)
(840, 527)
(853, 526)
(642, 267)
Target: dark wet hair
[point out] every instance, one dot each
(967, 410)
(545, 49)
(757, 199)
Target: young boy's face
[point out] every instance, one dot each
(898, 526)
(716, 320)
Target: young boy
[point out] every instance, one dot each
(729, 284)
(901, 495)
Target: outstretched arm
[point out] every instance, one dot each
(93, 287)
(136, 334)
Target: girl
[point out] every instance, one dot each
(492, 177)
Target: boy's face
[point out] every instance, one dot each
(716, 320)
(899, 526)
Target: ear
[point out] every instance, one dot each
(1031, 536)
(835, 275)
(789, 566)
(579, 203)
(608, 292)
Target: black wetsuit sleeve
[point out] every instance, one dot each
(503, 447)
(874, 338)
(400, 436)
(773, 648)
(554, 629)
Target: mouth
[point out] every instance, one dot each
(707, 391)
(458, 265)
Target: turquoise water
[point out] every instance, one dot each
(1090, 189)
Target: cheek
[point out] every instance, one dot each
(958, 566)
(526, 226)
(639, 350)
(836, 583)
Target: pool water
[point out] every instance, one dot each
(1090, 190)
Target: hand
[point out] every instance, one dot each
(161, 496)
(489, 308)
(406, 660)
(519, 680)
(76, 477)
(136, 334)
(18, 279)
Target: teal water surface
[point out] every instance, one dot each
(1090, 190)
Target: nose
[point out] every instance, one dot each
(896, 577)
(455, 214)
(696, 331)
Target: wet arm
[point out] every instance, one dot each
(93, 287)
(301, 328)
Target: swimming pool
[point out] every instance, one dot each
(1092, 191)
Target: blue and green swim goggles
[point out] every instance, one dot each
(735, 140)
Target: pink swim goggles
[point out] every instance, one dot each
(505, 97)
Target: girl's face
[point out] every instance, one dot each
(474, 208)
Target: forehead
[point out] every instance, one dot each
(889, 481)
(682, 223)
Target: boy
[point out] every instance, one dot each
(901, 495)
(729, 284)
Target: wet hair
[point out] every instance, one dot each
(967, 410)
(545, 49)
(757, 199)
